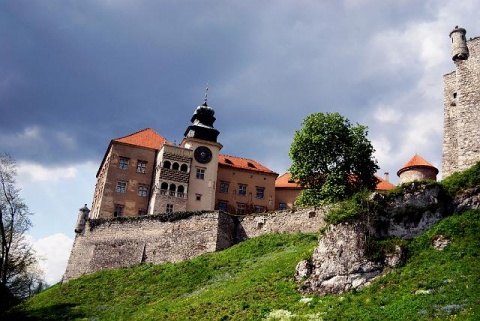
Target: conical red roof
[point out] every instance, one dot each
(416, 161)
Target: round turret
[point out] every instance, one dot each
(459, 44)
(82, 219)
(416, 169)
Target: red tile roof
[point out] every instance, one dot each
(416, 161)
(243, 163)
(383, 185)
(144, 138)
(285, 181)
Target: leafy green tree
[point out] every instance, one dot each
(17, 259)
(331, 159)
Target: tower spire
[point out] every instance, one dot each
(206, 97)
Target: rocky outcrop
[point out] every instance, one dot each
(468, 199)
(343, 260)
(408, 214)
(339, 262)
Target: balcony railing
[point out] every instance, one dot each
(173, 193)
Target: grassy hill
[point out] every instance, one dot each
(253, 281)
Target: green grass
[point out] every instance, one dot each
(254, 280)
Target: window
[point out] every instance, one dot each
(259, 209)
(123, 163)
(141, 166)
(175, 166)
(166, 164)
(282, 206)
(260, 192)
(200, 173)
(142, 190)
(181, 191)
(184, 168)
(242, 189)
(121, 187)
(142, 212)
(223, 187)
(198, 197)
(169, 208)
(118, 211)
(222, 206)
(241, 208)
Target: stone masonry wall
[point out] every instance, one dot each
(301, 221)
(118, 243)
(461, 147)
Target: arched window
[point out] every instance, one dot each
(172, 190)
(181, 189)
(175, 166)
(166, 164)
(184, 168)
(163, 188)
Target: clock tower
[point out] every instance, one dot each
(201, 137)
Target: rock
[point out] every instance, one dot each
(409, 214)
(339, 263)
(439, 242)
(303, 270)
(468, 199)
(396, 258)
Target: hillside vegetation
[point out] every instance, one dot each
(253, 281)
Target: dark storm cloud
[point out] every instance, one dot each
(76, 74)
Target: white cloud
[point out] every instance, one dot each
(53, 252)
(386, 114)
(37, 172)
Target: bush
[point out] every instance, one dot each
(460, 181)
(350, 209)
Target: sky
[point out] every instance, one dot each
(76, 74)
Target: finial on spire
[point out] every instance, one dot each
(206, 97)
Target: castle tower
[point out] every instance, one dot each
(461, 138)
(416, 169)
(459, 44)
(201, 138)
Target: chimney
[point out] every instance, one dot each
(387, 176)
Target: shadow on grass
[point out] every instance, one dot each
(66, 311)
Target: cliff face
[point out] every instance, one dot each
(343, 259)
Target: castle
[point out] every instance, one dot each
(143, 174)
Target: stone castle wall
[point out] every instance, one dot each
(118, 243)
(461, 145)
(302, 221)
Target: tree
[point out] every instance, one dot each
(17, 257)
(331, 159)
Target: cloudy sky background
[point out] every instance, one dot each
(75, 74)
